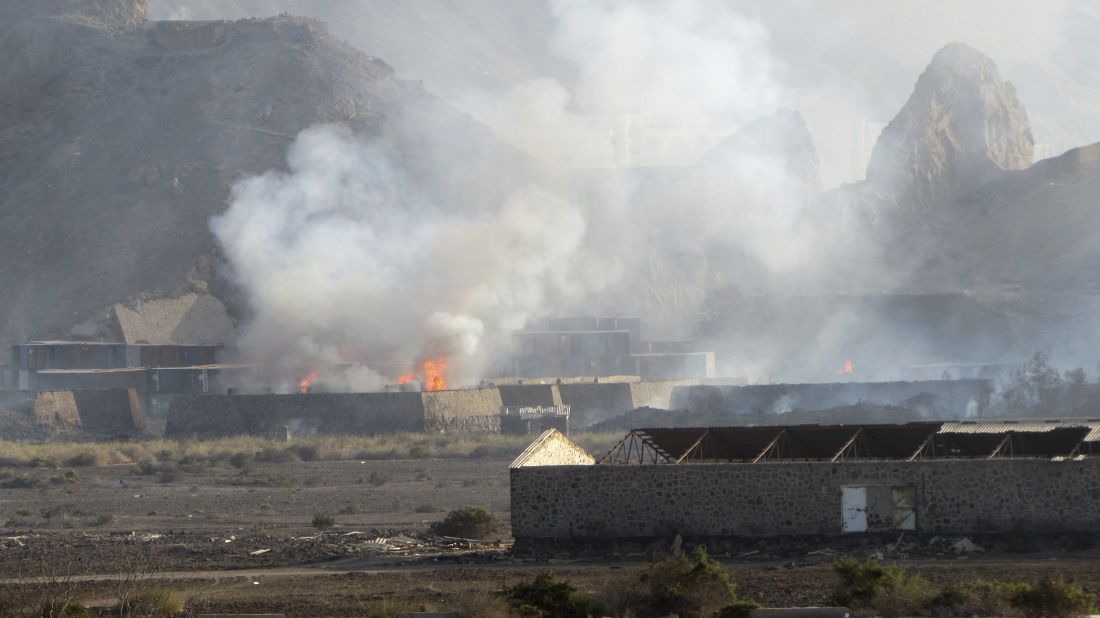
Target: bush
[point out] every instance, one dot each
(738, 609)
(152, 603)
(690, 586)
(241, 460)
(323, 520)
(82, 459)
(546, 596)
(62, 607)
(861, 581)
(1052, 598)
(306, 452)
(978, 598)
(275, 455)
(427, 508)
(469, 523)
(21, 482)
(907, 597)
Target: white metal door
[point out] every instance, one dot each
(853, 508)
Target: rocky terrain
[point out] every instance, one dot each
(121, 138)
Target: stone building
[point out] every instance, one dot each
(953, 478)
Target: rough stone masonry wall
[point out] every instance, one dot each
(441, 406)
(363, 413)
(115, 412)
(952, 496)
(56, 411)
(657, 394)
(525, 395)
(591, 403)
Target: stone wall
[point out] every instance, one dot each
(322, 413)
(952, 496)
(656, 394)
(56, 411)
(447, 405)
(527, 395)
(927, 400)
(594, 402)
(114, 412)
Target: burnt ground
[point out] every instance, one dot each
(242, 541)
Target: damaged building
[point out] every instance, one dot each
(924, 399)
(511, 408)
(604, 346)
(938, 478)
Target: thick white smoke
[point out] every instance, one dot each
(343, 249)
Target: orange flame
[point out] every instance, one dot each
(435, 378)
(304, 383)
(848, 367)
(433, 374)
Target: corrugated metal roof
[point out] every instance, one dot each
(1027, 438)
(1023, 426)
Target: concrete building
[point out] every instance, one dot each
(937, 478)
(602, 347)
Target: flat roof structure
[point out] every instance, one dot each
(907, 442)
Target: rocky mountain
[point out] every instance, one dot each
(961, 126)
(120, 138)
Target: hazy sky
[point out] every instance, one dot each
(847, 66)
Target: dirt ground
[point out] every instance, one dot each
(242, 541)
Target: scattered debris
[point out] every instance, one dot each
(966, 546)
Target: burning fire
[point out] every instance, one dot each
(848, 368)
(433, 375)
(304, 383)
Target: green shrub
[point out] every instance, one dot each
(306, 452)
(738, 609)
(890, 590)
(469, 523)
(323, 520)
(427, 508)
(1052, 598)
(978, 598)
(546, 596)
(152, 603)
(21, 482)
(61, 607)
(859, 582)
(911, 594)
(82, 459)
(241, 460)
(275, 455)
(690, 586)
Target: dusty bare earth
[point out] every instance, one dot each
(204, 534)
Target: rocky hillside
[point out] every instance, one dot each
(121, 138)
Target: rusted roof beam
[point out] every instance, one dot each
(770, 446)
(1001, 446)
(847, 444)
(694, 445)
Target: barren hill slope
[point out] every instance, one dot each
(119, 139)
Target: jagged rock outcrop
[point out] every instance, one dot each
(962, 125)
